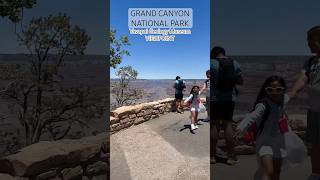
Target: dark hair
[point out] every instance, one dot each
(191, 92)
(178, 77)
(208, 71)
(263, 94)
(216, 51)
(315, 29)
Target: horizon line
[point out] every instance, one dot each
(208, 55)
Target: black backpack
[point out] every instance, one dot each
(180, 85)
(227, 77)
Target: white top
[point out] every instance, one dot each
(195, 102)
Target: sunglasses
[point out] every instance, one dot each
(275, 90)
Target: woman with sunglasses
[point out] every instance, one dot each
(270, 144)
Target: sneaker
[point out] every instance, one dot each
(232, 161)
(193, 127)
(213, 160)
(196, 126)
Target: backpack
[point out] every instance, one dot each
(180, 85)
(226, 77)
(251, 134)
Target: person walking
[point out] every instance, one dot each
(226, 74)
(310, 78)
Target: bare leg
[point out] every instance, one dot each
(193, 117)
(257, 175)
(214, 130)
(277, 162)
(267, 167)
(228, 132)
(181, 105)
(196, 117)
(177, 104)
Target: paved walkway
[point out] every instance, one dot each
(164, 148)
(247, 166)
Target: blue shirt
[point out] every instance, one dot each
(215, 94)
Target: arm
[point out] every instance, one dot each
(299, 84)
(254, 116)
(203, 88)
(189, 98)
(239, 80)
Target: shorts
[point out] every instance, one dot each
(222, 110)
(267, 150)
(195, 109)
(313, 128)
(178, 96)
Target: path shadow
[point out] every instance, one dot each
(205, 120)
(220, 159)
(187, 126)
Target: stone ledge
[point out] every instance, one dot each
(127, 116)
(46, 156)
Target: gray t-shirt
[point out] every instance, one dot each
(312, 69)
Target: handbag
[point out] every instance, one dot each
(283, 124)
(202, 107)
(295, 149)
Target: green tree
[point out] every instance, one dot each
(13, 9)
(116, 48)
(42, 103)
(124, 93)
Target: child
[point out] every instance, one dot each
(270, 144)
(194, 99)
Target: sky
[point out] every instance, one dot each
(272, 27)
(247, 27)
(187, 56)
(90, 15)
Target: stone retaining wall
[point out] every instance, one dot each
(127, 116)
(84, 159)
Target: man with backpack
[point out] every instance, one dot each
(179, 87)
(225, 75)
